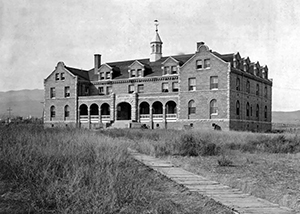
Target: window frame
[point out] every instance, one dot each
(56, 76)
(191, 87)
(52, 112)
(139, 72)
(214, 86)
(257, 89)
(139, 88)
(166, 70)
(107, 75)
(191, 107)
(62, 76)
(213, 109)
(108, 90)
(66, 112)
(101, 75)
(52, 92)
(165, 89)
(205, 64)
(248, 87)
(133, 73)
(238, 84)
(238, 108)
(173, 88)
(131, 89)
(67, 91)
(101, 90)
(199, 64)
(174, 69)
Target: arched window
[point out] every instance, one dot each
(67, 112)
(192, 107)
(238, 83)
(257, 111)
(237, 107)
(248, 86)
(266, 113)
(213, 107)
(247, 109)
(52, 112)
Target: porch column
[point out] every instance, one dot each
(151, 118)
(78, 116)
(113, 111)
(89, 118)
(164, 117)
(138, 114)
(100, 116)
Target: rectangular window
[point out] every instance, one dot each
(175, 86)
(199, 64)
(257, 89)
(62, 76)
(87, 90)
(214, 82)
(207, 63)
(266, 92)
(108, 90)
(101, 76)
(67, 91)
(130, 89)
(133, 72)
(52, 92)
(107, 75)
(101, 90)
(166, 70)
(141, 88)
(139, 72)
(174, 70)
(192, 84)
(165, 87)
(57, 76)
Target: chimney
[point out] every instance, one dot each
(199, 44)
(97, 61)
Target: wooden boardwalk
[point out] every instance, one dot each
(237, 200)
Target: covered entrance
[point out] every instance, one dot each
(123, 111)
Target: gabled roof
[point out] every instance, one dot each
(79, 72)
(225, 57)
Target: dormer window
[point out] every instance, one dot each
(166, 70)
(107, 75)
(207, 63)
(139, 73)
(101, 76)
(199, 64)
(133, 72)
(174, 69)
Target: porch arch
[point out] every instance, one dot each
(94, 109)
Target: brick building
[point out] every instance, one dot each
(202, 88)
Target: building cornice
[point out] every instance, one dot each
(133, 80)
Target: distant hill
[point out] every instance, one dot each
(286, 117)
(23, 103)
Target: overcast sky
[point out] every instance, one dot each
(36, 34)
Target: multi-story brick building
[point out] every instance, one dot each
(202, 88)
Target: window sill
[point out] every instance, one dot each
(214, 89)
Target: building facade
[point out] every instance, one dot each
(198, 89)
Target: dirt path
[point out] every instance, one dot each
(233, 198)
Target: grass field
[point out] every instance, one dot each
(265, 165)
(79, 171)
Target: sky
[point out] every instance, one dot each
(36, 34)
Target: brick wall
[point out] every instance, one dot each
(60, 101)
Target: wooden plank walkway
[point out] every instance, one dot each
(240, 202)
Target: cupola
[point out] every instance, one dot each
(156, 45)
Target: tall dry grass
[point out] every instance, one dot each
(71, 171)
(198, 142)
